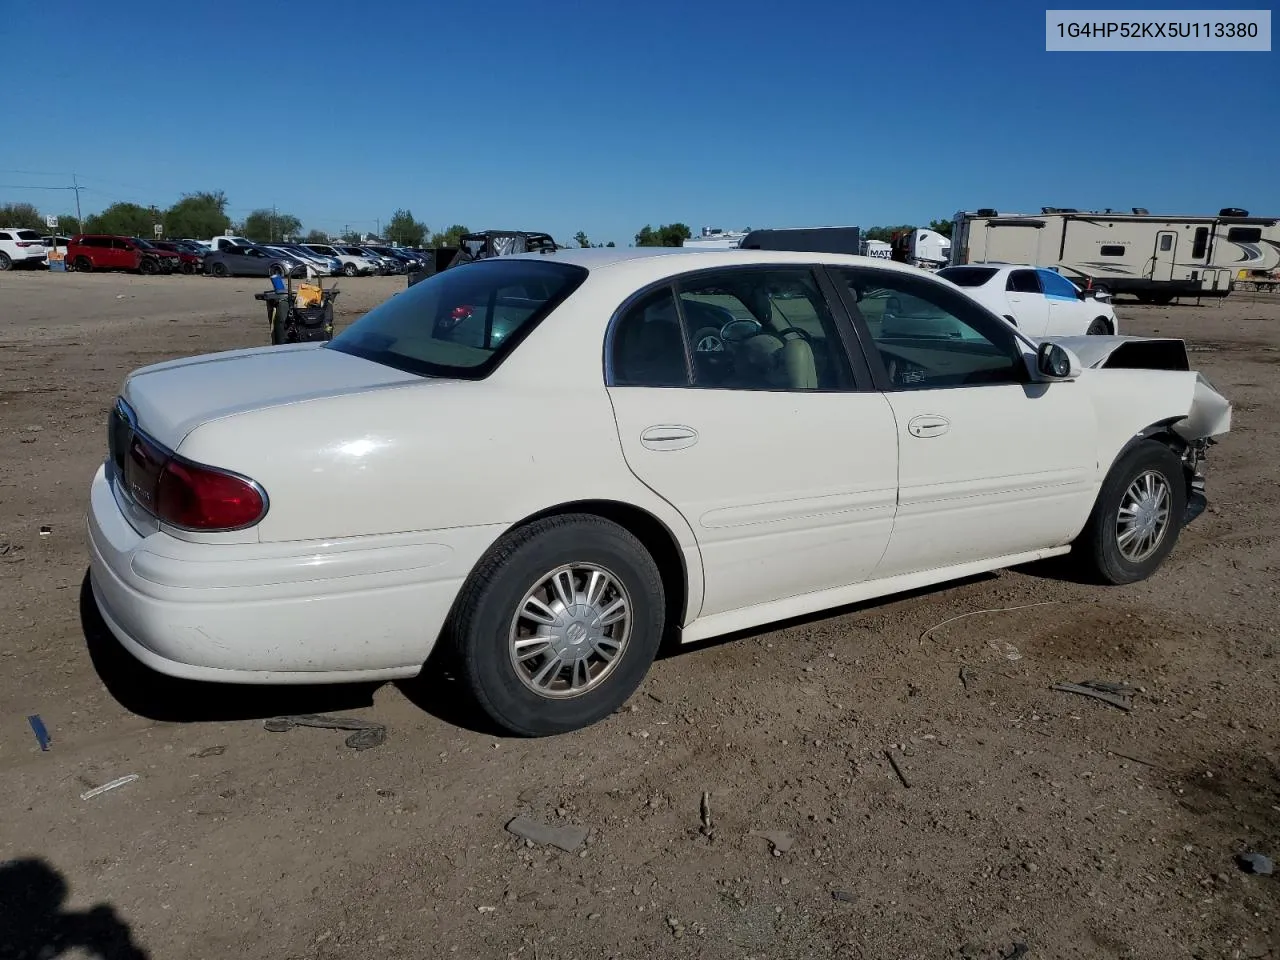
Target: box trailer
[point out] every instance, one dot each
(1152, 257)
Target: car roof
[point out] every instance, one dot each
(665, 261)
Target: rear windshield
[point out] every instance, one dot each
(462, 321)
(967, 276)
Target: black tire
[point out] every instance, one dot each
(219, 270)
(485, 611)
(147, 266)
(84, 265)
(188, 268)
(1099, 542)
(275, 270)
(5, 262)
(349, 270)
(1099, 328)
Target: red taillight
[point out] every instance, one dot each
(200, 498)
(189, 495)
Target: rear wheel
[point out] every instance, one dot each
(1099, 328)
(349, 270)
(84, 265)
(1138, 515)
(147, 266)
(188, 268)
(219, 270)
(558, 625)
(5, 262)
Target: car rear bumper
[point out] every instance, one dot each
(367, 608)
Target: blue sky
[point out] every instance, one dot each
(606, 116)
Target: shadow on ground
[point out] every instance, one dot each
(35, 923)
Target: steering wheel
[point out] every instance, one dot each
(708, 340)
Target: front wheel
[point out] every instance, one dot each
(1099, 328)
(1138, 515)
(84, 265)
(219, 270)
(188, 268)
(147, 267)
(349, 270)
(558, 625)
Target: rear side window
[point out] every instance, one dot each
(1235, 234)
(461, 322)
(648, 347)
(5, 236)
(1023, 281)
(967, 276)
(32, 235)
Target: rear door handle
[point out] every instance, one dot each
(928, 425)
(669, 437)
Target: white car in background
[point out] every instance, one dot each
(20, 247)
(352, 265)
(318, 265)
(753, 436)
(1038, 301)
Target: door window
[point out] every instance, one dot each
(1056, 286)
(1166, 242)
(762, 329)
(928, 336)
(1023, 281)
(648, 348)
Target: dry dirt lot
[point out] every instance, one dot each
(1032, 817)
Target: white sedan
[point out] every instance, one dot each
(539, 465)
(1038, 301)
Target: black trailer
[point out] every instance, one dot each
(484, 244)
(806, 240)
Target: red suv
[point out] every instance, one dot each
(88, 252)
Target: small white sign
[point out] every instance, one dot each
(51, 222)
(159, 230)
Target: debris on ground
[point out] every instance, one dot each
(1019, 951)
(706, 813)
(1255, 863)
(38, 728)
(844, 896)
(367, 732)
(46, 530)
(897, 769)
(119, 782)
(779, 841)
(216, 751)
(975, 613)
(1116, 694)
(965, 676)
(567, 837)
(1005, 649)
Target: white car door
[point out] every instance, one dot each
(1030, 308)
(739, 406)
(1069, 316)
(990, 464)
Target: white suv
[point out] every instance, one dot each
(21, 248)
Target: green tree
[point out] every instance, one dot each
(941, 226)
(122, 219)
(449, 238)
(405, 230)
(350, 236)
(885, 233)
(581, 238)
(24, 216)
(201, 216)
(317, 236)
(667, 235)
(268, 226)
(610, 244)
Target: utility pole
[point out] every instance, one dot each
(273, 223)
(79, 219)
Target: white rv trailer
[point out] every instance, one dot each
(1152, 257)
(716, 238)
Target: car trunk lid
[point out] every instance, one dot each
(170, 399)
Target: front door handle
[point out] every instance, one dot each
(928, 425)
(669, 437)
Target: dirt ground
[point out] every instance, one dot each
(1032, 816)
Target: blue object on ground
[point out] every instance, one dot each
(37, 727)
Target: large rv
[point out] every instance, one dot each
(1152, 257)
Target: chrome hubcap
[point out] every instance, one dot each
(1143, 518)
(570, 630)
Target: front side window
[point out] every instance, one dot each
(1056, 286)
(967, 276)
(762, 329)
(461, 322)
(928, 336)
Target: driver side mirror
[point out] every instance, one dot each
(1056, 362)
